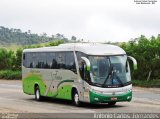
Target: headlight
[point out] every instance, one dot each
(127, 90)
(129, 97)
(96, 91)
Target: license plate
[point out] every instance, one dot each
(113, 98)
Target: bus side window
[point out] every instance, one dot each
(24, 59)
(34, 60)
(81, 69)
(49, 58)
(60, 56)
(28, 60)
(85, 75)
(80, 63)
(70, 62)
(53, 62)
(23, 56)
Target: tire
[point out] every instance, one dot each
(76, 101)
(38, 96)
(111, 103)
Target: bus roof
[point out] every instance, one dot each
(87, 48)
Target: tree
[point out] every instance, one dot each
(147, 53)
(18, 60)
(6, 59)
(73, 38)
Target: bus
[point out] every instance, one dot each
(80, 72)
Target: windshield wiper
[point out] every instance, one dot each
(108, 76)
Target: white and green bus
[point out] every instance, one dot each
(81, 72)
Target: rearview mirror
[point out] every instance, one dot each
(134, 62)
(87, 62)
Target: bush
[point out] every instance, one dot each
(155, 83)
(9, 74)
(6, 59)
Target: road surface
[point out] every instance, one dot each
(13, 100)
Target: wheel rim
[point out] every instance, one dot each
(76, 98)
(37, 94)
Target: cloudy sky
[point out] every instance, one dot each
(93, 20)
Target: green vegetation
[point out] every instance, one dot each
(155, 83)
(9, 74)
(15, 37)
(147, 53)
(11, 46)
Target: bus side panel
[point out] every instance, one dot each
(65, 92)
(27, 86)
(26, 81)
(29, 83)
(63, 82)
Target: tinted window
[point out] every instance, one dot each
(60, 56)
(46, 60)
(23, 56)
(39, 60)
(70, 61)
(28, 60)
(24, 59)
(50, 60)
(79, 55)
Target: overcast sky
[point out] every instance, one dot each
(93, 20)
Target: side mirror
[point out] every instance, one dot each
(87, 62)
(134, 62)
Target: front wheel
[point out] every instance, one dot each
(38, 96)
(76, 98)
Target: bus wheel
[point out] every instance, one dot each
(37, 93)
(111, 103)
(76, 98)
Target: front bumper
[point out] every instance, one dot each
(101, 98)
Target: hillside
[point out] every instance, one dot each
(16, 36)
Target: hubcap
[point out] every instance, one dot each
(76, 98)
(37, 94)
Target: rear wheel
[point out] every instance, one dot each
(76, 98)
(111, 103)
(38, 96)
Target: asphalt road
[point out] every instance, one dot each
(13, 100)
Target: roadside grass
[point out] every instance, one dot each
(10, 75)
(155, 83)
(14, 47)
(11, 46)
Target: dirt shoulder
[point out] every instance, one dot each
(156, 90)
(5, 81)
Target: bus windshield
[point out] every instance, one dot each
(109, 70)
